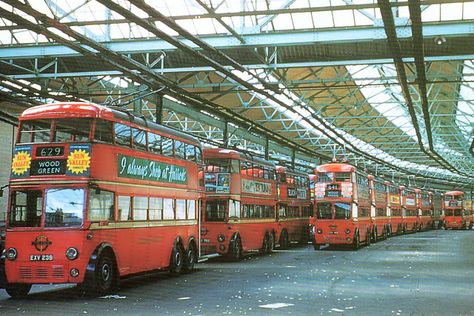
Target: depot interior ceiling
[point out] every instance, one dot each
(386, 85)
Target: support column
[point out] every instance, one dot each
(225, 135)
(293, 158)
(267, 145)
(159, 108)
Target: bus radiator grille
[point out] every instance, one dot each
(28, 273)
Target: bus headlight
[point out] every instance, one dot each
(220, 238)
(11, 254)
(348, 231)
(72, 253)
(320, 231)
(74, 272)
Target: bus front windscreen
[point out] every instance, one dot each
(324, 210)
(63, 208)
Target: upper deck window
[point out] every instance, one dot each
(72, 130)
(103, 131)
(217, 165)
(342, 177)
(123, 134)
(325, 177)
(139, 138)
(35, 131)
(179, 151)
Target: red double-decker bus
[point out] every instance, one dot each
(98, 194)
(425, 205)
(438, 215)
(457, 215)
(342, 206)
(379, 211)
(239, 205)
(294, 206)
(409, 209)
(395, 206)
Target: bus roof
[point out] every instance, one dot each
(335, 167)
(230, 153)
(454, 193)
(283, 169)
(84, 109)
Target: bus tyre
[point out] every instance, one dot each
(177, 261)
(356, 242)
(367, 238)
(235, 249)
(265, 246)
(191, 256)
(18, 290)
(374, 234)
(270, 243)
(284, 242)
(316, 246)
(105, 274)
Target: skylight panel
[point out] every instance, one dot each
(451, 11)
(465, 109)
(343, 18)
(283, 22)
(323, 19)
(320, 3)
(431, 13)
(361, 19)
(204, 26)
(302, 20)
(468, 11)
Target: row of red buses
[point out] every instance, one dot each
(250, 204)
(92, 189)
(457, 210)
(352, 207)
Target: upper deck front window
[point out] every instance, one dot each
(58, 130)
(325, 177)
(217, 165)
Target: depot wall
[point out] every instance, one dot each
(6, 148)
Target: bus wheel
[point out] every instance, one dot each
(105, 274)
(356, 243)
(190, 258)
(270, 243)
(18, 290)
(284, 240)
(367, 237)
(374, 235)
(316, 246)
(264, 248)
(177, 261)
(235, 249)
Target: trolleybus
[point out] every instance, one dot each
(457, 215)
(425, 204)
(342, 206)
(395, 206)
(409, 209)
(379, 208)
(239, 205)
(294, 206)
(97, 194)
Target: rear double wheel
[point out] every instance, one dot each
(356, 242)
(191, 258)
(177, 260)
(284, 241)
(235, 249)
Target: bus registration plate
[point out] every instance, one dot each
(41, 257)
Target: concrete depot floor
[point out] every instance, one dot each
(428, 273)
